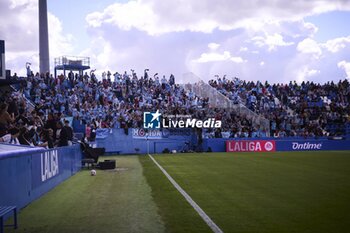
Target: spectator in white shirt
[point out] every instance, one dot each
(11, 137)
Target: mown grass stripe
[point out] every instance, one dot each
(199, 210)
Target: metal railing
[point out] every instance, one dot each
(193, 83)
(72, 60)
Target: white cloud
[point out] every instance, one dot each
(212, 57)
(204, 37)
(157, 17)
(237, 60)
(213, 46)
(312, 72)
(336, 44)
(243, 49)
(346, 67)
(22, 3)
(127, 15)
(102, 55)
(19, 28)
(309, 46)
(305, 72)
(311, 27)
(19, 33)
(271, 41)
(60, 43)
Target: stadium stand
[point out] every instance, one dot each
(305, 110)
(33, 108)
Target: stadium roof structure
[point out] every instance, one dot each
(72, 63)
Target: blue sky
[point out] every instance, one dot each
(279, 41)
(73, 16)
(331, 25)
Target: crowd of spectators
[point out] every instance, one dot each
(22, 124)
(306, 109)
(107, 103)
(116, 101)
(119, 100)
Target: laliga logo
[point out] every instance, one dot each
(268, 146)
(151, 120)
(49, 165)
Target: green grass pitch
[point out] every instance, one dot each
(241, 192)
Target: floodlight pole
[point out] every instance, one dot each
(44, 58)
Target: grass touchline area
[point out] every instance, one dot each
(196, 207)
(111, 201)
(241, 192)
(264, 192)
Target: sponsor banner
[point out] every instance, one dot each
(307, 145)
(147, 134)
(27, 175)
(250, 146)
(102, 133)
(313, 145)
(46, 166)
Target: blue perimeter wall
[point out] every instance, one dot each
(219, 144)
(27, 175)
(117, 141)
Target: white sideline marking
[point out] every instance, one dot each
(199, 210)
